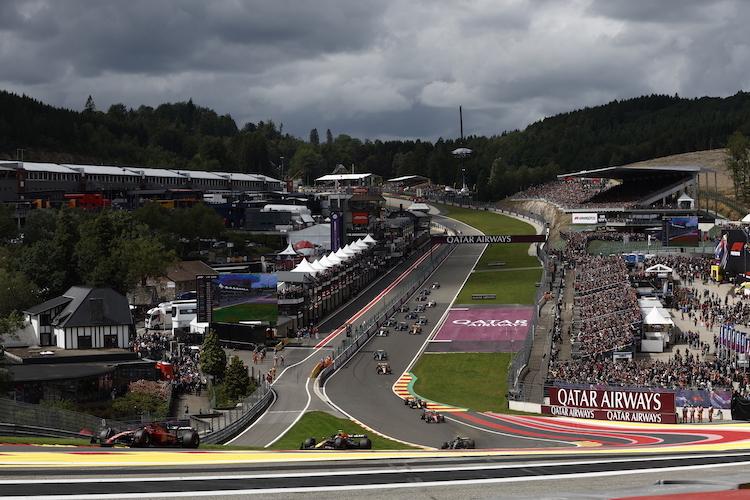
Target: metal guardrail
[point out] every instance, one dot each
(220, 425)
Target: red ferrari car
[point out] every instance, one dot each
(154, 434)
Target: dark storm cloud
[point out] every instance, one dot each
(378, 69)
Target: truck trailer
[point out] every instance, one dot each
(175, 315)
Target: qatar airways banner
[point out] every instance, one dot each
(624, 406)
(485, 239)
(483, 330)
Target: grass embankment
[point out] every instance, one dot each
(479, 381)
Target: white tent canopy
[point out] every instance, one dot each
(289, 250)
(318, 266)
(656, 317)
(369, 240)
(325, 262)
(659, 268)
(305, 267)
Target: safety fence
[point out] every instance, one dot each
(25, 419)
(223, 423)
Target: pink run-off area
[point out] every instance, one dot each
(483, 330)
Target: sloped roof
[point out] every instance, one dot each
(187, 270)
(47, 305)
(80, 312)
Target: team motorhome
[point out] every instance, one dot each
(175, 315)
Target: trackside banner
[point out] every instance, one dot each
(626, 406)
(485, 239)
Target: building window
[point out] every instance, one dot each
(110, 340)
(84, 341)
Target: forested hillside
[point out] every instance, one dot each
(187, 136)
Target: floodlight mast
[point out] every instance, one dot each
(462, 152)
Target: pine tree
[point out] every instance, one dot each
(237, 379)
(314, 138)
(90, 106)
(213, 357)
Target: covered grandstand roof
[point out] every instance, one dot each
(410, 179)
(633, 173)
(342, 177)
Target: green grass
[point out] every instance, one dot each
(510, 287)
(320, 425)
(477, 381)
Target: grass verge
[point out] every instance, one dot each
(477, 381)
(320, 425)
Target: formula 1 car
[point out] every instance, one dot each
(154, 434)
(415, 330)
(411, 315)
(404, 308)
(431, 416)
(435, 285)
(431, 303)
(380, 355)
(402, 326)
(390, 322)
(419, 309)
(339, 441)
(384, 369)
(382, 332)
(413, 402)
(460, 443)
(421, 321)
(422, 298)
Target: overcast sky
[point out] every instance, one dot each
(375, 69)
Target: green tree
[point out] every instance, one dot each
(213, 357)
(141, 255)
(90, 106)
(738, 162)
(314, 137)
(237, 379)
(40, 225)
(8, 326)
(8, 228)
(307, 160)
(93, 253)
